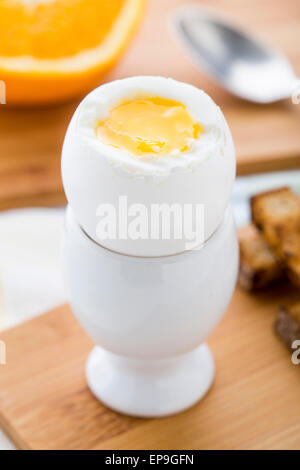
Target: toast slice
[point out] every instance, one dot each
(287, 324)
(277, 214)
(259, 266)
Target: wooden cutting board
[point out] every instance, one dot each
(266, 137)
(253, 404)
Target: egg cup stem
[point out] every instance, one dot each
(150, 387)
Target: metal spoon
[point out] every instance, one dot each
(241, 64)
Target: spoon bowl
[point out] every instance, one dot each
(244, 66)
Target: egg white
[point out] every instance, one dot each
(95, 173)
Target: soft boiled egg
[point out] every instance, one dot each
(148, 165)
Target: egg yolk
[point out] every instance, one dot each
(149, 125)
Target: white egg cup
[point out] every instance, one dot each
(149, 318)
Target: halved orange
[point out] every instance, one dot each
(51, 50)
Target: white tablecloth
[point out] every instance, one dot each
(30, 274)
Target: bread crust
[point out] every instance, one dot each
(277, 214)
(259, 267)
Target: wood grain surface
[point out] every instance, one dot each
(253, 404)
(266, 137)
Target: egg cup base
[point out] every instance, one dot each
(147, 387)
